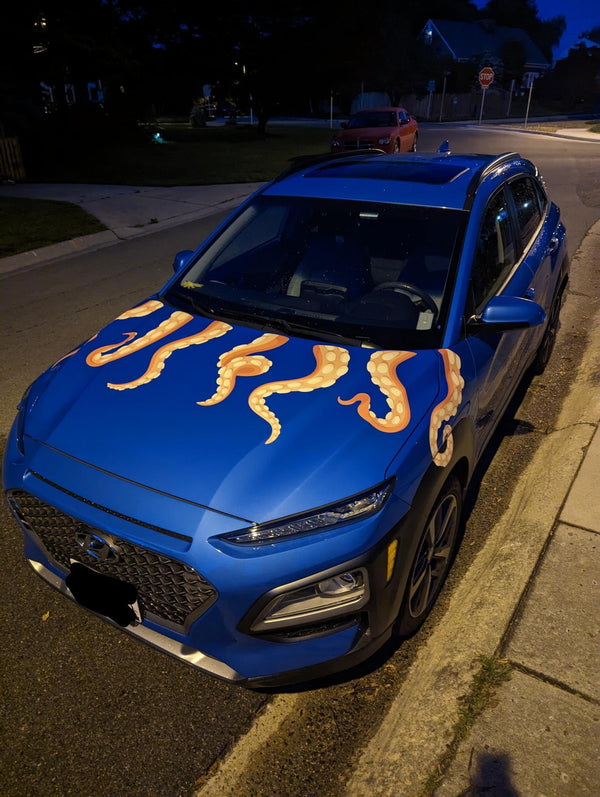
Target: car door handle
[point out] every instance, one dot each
(553, 245)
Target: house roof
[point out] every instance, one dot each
(467, 40)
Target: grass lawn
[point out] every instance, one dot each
(192, 156)
(31, 223)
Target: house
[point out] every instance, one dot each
(469, 42)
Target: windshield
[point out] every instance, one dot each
(375, 274)
(373, 119)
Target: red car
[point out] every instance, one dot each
(389, 129)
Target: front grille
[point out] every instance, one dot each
(359, 143)
(167, 589)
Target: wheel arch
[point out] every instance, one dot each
(407, 532)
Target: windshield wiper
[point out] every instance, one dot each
(212, 307)
(191, 299)
(208, 306)
(307, 330)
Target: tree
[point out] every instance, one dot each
(574, 83)
(524, 14)
(592, 35)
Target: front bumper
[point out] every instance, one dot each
(215, 637)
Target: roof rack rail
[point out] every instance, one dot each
(304, 161)
(483, 172)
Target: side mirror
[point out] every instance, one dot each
(344, 125)
(182, 259)
(503, 313)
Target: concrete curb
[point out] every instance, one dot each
(583, 135)
(75, 246)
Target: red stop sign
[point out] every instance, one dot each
(486, 76)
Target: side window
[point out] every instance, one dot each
(495, 254)
(528, 208)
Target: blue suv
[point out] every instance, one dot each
(261, 468)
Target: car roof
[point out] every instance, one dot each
(429, 179)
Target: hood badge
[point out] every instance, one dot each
(102, 549)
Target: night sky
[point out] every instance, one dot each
(580, 15)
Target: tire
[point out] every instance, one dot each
(396, 146)
(414, 144)
(433, 558)
(546, 346)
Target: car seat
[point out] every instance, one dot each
(332, 270)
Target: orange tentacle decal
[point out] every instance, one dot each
(382, 366)
(241, 362)
(442, 454)
(71, 353)
(141, 310)
(157, 363)
(117, 350)
(332, 363)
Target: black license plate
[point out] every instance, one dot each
(103, 594)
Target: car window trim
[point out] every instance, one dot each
(524, 250)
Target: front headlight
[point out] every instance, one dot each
(354, 508)
(385, 140)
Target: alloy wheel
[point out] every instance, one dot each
(433, 557)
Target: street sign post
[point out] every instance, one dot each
(430, 89)
(486, 77)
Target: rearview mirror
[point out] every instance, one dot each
(503, 313)
(182, 259)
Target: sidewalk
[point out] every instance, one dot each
(128, 212)
(542, 735)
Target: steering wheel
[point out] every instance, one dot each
(410, 290)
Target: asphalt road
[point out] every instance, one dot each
(84, 709)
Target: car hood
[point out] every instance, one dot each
(255, 425)
(367, 132)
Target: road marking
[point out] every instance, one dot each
(226, 777)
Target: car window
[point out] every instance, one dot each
(372, 270)
(372, 119)
(528, 208)
(495, 254)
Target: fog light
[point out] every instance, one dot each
(340, 594)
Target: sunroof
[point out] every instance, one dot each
(431, 173)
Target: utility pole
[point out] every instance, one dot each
(531, 81)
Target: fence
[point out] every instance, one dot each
(457, 106)
(11, 162)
